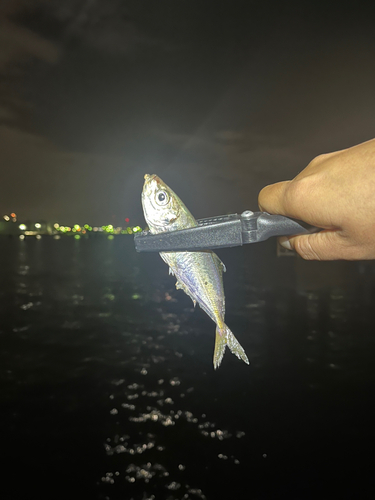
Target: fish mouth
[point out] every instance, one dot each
(153, 177)
(148, 177)
(151, 185)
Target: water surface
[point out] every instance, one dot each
(108, 389)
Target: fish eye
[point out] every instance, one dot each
(162, 198)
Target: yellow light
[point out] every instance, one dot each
(6, 217)
(21, 236)
(56, 226)
(37, 225)
(22, 227)
(77, 227)
(129, 230)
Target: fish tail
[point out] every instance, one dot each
(224, 337)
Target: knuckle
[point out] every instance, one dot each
(319, 159)
(296, 191)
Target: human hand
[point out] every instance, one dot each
(335, 192)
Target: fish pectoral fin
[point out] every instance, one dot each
(224, 337)
(181, 286)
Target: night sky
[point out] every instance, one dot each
(217, 98)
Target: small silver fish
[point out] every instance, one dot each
(198, 274)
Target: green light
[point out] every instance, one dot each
(136, 296)
(86, 226)
(77, 236)
(129, 230)
(111, 237)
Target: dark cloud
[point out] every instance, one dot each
(103, 26)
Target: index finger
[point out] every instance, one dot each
(272, 199)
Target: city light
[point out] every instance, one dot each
(37, 229)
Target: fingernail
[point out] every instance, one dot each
(285, 243)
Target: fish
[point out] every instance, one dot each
(198, 274)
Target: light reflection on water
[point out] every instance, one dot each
(103, 356)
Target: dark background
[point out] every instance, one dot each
(107, 389)
(217, 98)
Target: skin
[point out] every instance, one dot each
(336, 192)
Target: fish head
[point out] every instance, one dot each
(161, 206)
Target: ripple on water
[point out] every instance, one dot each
(149, 406)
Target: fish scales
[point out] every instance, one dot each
(198, 274)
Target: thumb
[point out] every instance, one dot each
(325, 245)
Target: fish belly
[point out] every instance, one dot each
(198, 276)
